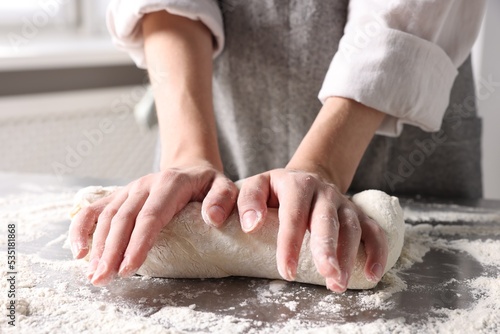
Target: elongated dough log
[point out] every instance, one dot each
(189, 248)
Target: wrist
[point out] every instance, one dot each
(190, 157)
(337, 140)
(189, 138)
(319, 169)
(182, 85)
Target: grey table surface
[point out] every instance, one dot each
(238, 295)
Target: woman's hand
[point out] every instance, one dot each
(307, 202)
(309, 194)
(129, 220)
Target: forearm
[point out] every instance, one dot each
(179, 57)
(337, 140)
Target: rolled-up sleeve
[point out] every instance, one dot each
(401, 57)
(123, 20)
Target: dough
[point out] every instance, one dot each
(189, 248)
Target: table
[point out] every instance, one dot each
(420, 296)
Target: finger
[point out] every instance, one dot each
(153, 216)
(376, 248)
(121, 227)
(219, 201)
(102, 229)
(349, 239)
(295, 203)
(252, 202)
(324, 236)
(82, 226)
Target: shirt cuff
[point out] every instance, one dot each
(123, 20)
(404, 76)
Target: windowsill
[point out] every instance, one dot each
(61, 51)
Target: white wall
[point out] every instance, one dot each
(486, 61)
(86, 133)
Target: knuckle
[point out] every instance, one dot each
(180, 179)
(322, 244)
(149, 216)
(107, 214)
(207, 173)
(137, 188)
(227, 192)
(331, 193)
(329, 220)
(88, 212)
(258, 179)
(377, 229)
(249, 198)
(168, 175)
(140, 183)
(254, 182)
(174, 175)
(350, 219)
(302, 180)
(253, 195)
(122, 215)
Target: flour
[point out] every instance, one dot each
(441, 212)
(484, 317)
(276, 286)
(32, 212)
(189, 248)
(485, 251)
(54, 296)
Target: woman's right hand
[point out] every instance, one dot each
(125, 224)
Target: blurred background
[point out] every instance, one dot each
(67, 96)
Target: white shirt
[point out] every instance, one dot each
(399, 57)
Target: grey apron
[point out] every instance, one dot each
(266, 83)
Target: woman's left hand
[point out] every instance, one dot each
(307, 202)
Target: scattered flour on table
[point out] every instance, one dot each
(33, 211)
(48, 303)
(486, 251)
(450, 213)
(484, 317)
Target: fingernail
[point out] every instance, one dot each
(334, 263)
(125, 269)
(377, 272)
(75, 249)
(83, 246)
(332, 285)
(100, 281)
(216, 215)
(330, 282)
(291, 270)
(101, 269)
(92, 267)
(342, 279)
(250, 219)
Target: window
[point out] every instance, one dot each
(28, 15)
(55, 34)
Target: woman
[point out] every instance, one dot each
(253, 113)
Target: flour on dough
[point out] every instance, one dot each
(189, 248)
